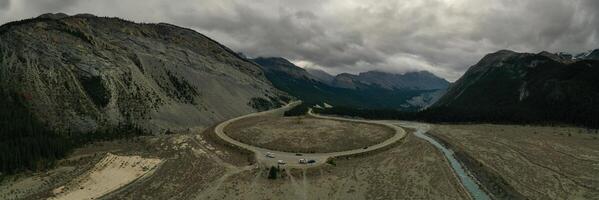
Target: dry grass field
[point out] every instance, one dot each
(538, 162)
(190, 163)
(196, 167)
(412, 170)
(307, 134)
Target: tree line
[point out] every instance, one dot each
(298, 110)
(502, 115)
(28, 144)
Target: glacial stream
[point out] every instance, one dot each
(475, 191)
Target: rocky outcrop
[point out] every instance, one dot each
(83, 72)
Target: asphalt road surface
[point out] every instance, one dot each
(291, 159)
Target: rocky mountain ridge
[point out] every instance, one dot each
(421, 80)
(83, 72)
(362, 91)
(321, 76)
(511, 86)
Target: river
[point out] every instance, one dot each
(470, 184)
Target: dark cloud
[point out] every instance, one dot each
(4, 4)
(442, 36)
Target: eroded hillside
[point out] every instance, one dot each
(84, 72)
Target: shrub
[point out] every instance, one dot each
(298, 110)
(272, 173)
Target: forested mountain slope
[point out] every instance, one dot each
(69, 80)
(314, 90)
(526, 87)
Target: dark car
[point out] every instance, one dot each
(299, 154)
(311, 161)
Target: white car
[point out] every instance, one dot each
(270, 155)
(281, 162)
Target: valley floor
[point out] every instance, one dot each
(193, 166)
(537, 162)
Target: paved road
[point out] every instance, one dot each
(290, 158)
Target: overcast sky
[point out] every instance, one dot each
(441, 36)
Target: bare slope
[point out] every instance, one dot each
(83, 72)
(109, 174)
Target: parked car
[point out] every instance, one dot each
(311, 161)
(299, 154)
(281, 162)
(302, 161)
(270, 155)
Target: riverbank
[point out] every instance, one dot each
(538, 162)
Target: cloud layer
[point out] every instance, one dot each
(441, 36)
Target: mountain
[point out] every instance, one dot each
(591, 55)
(421, 80)
(274, 65)
(320, 75)
(81, 73)
(348, 81)
(525, 87)
(344, 89)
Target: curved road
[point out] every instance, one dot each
(468, 182)
(290, 158)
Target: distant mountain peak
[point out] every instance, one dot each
(278, 64)
(315, 86)
(559, 57)
(501, 53)
(345, 74)
(420, 80)
(592, 55)
(321, 75)
(526, 87)
(505, 51)
(53, 16)
(566, 57)
(57, 16)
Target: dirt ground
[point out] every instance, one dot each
(195, 167)
(307, 134)
(538, 162)
(109, 174)
(189, 163)
(412, 170)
